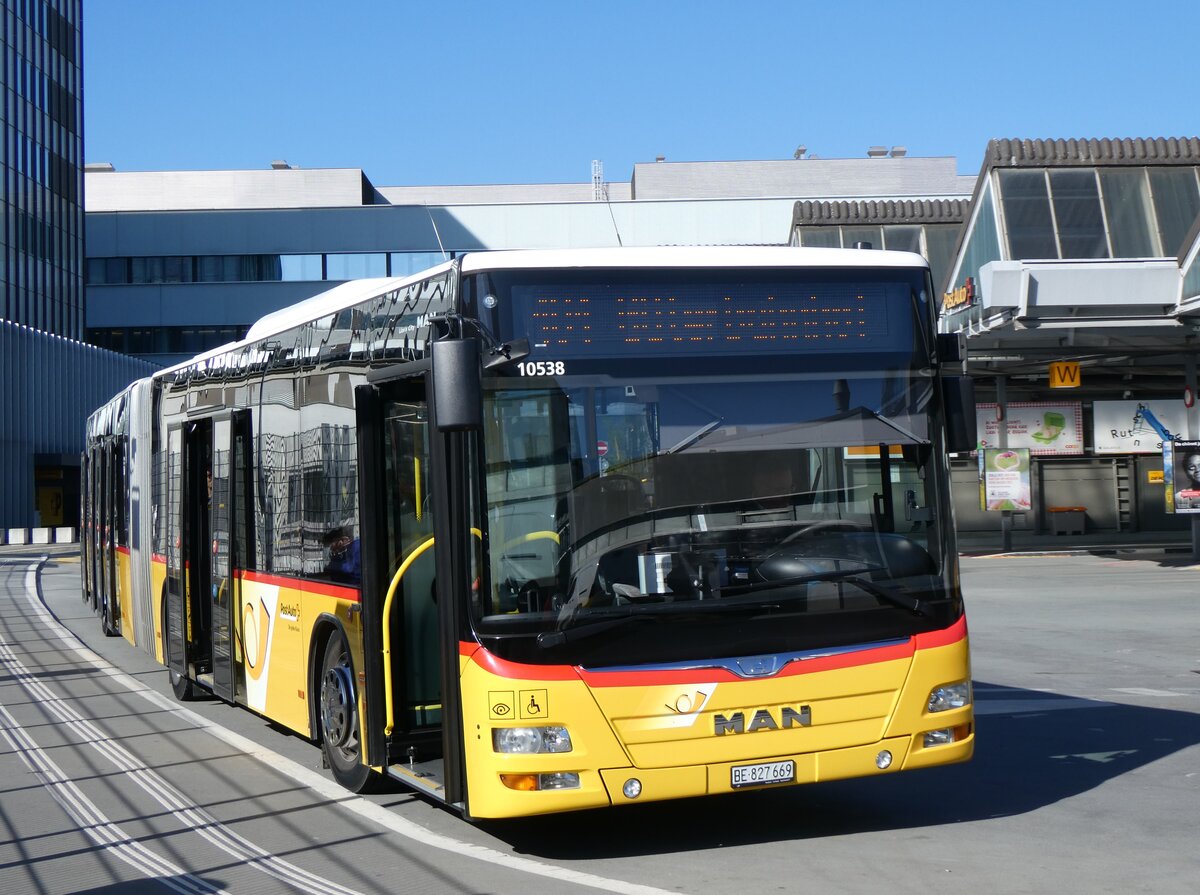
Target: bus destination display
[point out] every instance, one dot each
(596, 321)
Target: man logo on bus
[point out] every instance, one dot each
(762, 720)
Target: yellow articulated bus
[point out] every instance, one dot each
(540, 531)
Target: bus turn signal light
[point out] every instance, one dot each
(946, 735)
(540, 782)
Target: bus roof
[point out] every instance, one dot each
(354, 292)
(344, 295)
(688, 256)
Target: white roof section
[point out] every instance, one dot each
(501, 193)
(689, 257)
(108, 190)
(809, 178)
(209, 190)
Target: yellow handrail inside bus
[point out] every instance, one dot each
(532, 536)
(388, 705)
(387, 631)
(417, 487)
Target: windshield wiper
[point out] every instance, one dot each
(887, 594)
(694, 437)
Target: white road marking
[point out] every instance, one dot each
(92, 822)
(1146, 691)
(324, 786)
(189, 815)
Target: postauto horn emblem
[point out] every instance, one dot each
(763, 719)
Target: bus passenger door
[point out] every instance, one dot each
(188, 615)
(403, 638)
(174, 611)
(87, 528)
(110, 596)
(221, 580)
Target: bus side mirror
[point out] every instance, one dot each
(959, 394)
(457, 395)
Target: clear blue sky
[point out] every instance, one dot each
(530, 92)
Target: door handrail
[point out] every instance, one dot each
(388, 705)
(387, 633)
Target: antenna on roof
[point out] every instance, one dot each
(599, 193)
(433, 223)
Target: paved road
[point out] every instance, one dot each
(1086, 778)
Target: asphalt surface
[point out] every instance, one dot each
(1086, 776)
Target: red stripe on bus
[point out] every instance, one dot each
(944, 637)
(712, 674)
(123, 550)
(308, 586)
(518, 671)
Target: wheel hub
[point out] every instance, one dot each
(337, 706)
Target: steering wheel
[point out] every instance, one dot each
(826, 525)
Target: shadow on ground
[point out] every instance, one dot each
(1023, 762)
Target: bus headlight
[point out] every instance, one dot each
(950, 696)
(530, 740)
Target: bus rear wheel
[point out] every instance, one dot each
(338, 716)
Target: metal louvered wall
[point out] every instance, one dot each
(48, 386)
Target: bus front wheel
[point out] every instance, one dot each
(338, 711)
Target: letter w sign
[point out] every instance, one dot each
(1064, 374)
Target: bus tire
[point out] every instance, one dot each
(181, 686)
(337, 714)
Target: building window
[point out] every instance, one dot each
(940, 240)
(1177, 202)
(355, 266)
(1027, 217)
(1191, 279)
(403, 264)
(821, 237)
(871, 235)
(1127, 203)
(983, 243)
(902, 238)
(1077, 213)
(294, 268)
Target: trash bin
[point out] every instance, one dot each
(1067, 520)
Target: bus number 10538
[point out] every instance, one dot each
(542, 368)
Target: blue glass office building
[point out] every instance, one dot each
(41, 170)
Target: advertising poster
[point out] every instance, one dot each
(1042, 428)
(1117, 428)
(1181, 468)
(1006, 479)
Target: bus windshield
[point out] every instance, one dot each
(653, 501)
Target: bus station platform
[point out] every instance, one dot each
(991, 543)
